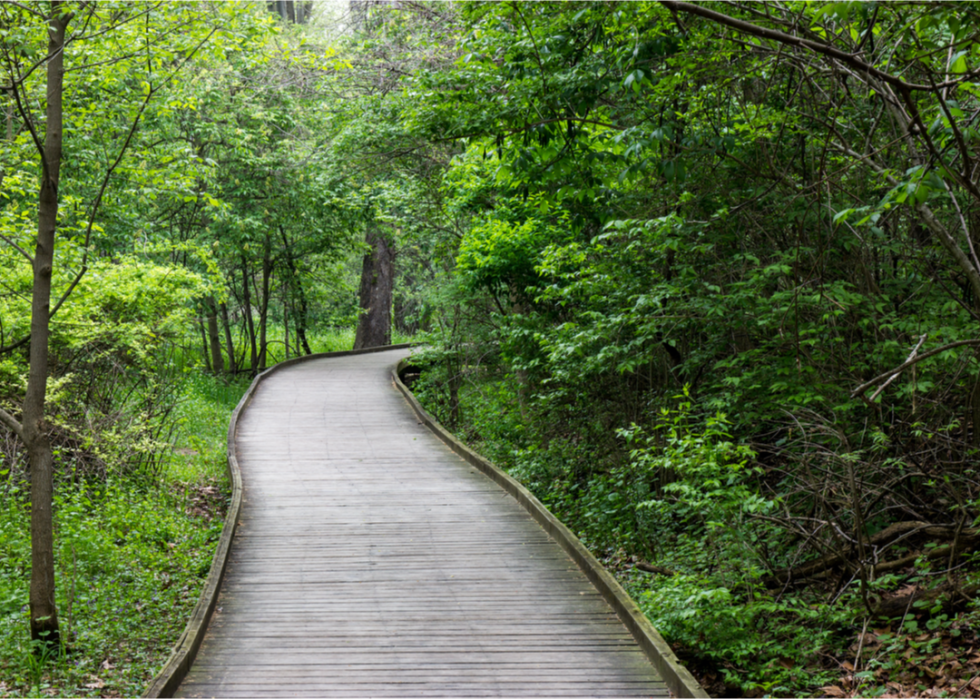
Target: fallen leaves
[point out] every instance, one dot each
(96, 683)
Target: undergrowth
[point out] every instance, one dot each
(131, 554)
(677, 515)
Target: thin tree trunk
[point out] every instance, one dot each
(205, 350)
(44, 612)
(285, 318)
(247, 297)
(214, 338)
(301, 338)
(264, 301)
(300, 294)
(377, 280)
(230, 345)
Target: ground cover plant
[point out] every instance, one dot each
(704, 276)
(133, 553)
(711, 292)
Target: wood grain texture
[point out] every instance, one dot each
(370, 560)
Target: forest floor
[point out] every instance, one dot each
(881, 660)
(131, 555)
(737, 637)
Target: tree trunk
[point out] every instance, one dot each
(230, 345)
(297, 284)
(264, 304)
(285, 319)
(204, 344)
(44, 613)
(247, 297)
(214, 338)
(377, 280)
(301, 318)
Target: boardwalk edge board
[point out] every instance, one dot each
(182, 656)
(677, 677)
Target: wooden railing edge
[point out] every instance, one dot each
(678, 678)
(182, 656)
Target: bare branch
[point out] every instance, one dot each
(912, 354)
(18, 248)
(830, 51)
(913, 359)
(9, 420)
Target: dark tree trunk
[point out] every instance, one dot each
(44, 613)
(301, 318)
(249, 323)
(297, 285)
(214, 338)
(377, 280)
(230, 345)
(285, 319)
(205, 350)
(264, 304)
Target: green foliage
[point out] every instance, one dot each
(701, 473)
(131, 556)
(645, 204)
(131, 565)
(760, 644)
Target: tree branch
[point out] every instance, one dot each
(9, 420)
(848, 59)
(914, 359)
(18, 248)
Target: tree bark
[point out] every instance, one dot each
(214, 338)
(204, 344)
(44, 612)
(301, 338)
(249, 323)
(297, 283)
(377, 280)
(264, 303)
(229, 343)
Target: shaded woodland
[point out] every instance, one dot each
(703, 276)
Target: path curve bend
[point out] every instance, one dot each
(371, 560)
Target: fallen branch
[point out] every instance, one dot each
(649, 568)
(898, 606)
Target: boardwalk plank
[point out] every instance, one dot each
(371, 561)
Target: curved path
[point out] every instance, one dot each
(370, 560)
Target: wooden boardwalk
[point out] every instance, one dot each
(371, 560)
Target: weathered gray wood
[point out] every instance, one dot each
(370, 560)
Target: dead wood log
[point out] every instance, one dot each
(650, 568)
(955, 595)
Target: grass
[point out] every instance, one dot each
(131, 556)
(131, 559)
(200, 450)
(327, 340)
